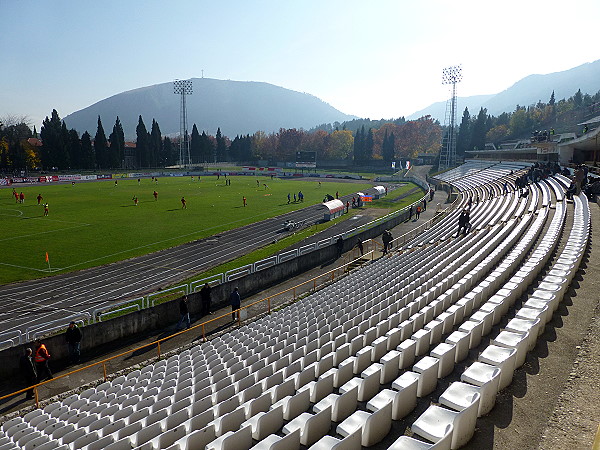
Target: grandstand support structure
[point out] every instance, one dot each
(450, 76)
(183, 88)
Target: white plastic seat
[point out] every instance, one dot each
(427, 368)
(313, 426)
(518, 341)
(274, 442)
(461, 340)
(503, 358)
(375, 426)
(342, 406)
(367, 385)
(233, 440)
(350, 442)
(409, 443)
(407, 350)
(197, 439)
(321, 388)
(265, 423)
(487, 379)
(433, 423)
(446, 354)
(294, 405)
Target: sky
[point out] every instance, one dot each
(376, 59)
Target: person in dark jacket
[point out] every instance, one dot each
(339, 244)
(73, 337)
(205, 299)
(185, 313)
(236, 302)
(29, 371)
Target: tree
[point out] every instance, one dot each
(388, 146)
(169, 155)
(142, 144)
(195, 145)
(52, 140)
(578, 98)
(116, 152)
(552, 99)
(340, 144)
(464, 137)
(88, 157)
(369, 145)
(101, 147)
(479, 130)
(155, 144)
(74, 145)
(221, 147)
(359, 145)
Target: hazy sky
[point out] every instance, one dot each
(377, 59)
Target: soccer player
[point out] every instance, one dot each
(183, 203)
(244, 201)
(39, 198)
(135, 200)
(155, 195)
(46, 209)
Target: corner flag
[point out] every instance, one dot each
(47, 259)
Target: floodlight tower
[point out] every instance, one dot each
(450, 76)
(183, 87)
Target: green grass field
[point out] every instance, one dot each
(96, 223)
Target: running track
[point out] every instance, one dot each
(27, 304)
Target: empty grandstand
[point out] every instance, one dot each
(339, 367)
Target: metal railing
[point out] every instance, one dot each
(310, 286)
(221, 278)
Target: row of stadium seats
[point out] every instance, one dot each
(336, 368)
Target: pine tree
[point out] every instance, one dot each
(142, 144)
(552, 99)
(52, 143)
(221, 146)
(578, 98)
(479, 130)
(88, 157)
(195, 146)
(117, 145)
(101, 147)
(463, 139)
(74, 145)
(155, 143)
(369, 145)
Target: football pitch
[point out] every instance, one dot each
(95, 223)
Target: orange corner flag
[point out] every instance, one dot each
(47, 257)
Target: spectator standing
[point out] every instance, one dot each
(205, 299)
(28, 370)
(185, 313)
(418, 213)
(387, 240)
(424, 204)
(359, 244)
(236, 302)
(73, 337)
(339, 245)
(42, 357)
(410, 212)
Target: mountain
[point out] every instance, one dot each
(525, 92)
(237, 107)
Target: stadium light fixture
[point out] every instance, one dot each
(183, 88)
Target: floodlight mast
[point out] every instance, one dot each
(183, 87)
(450, 76)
